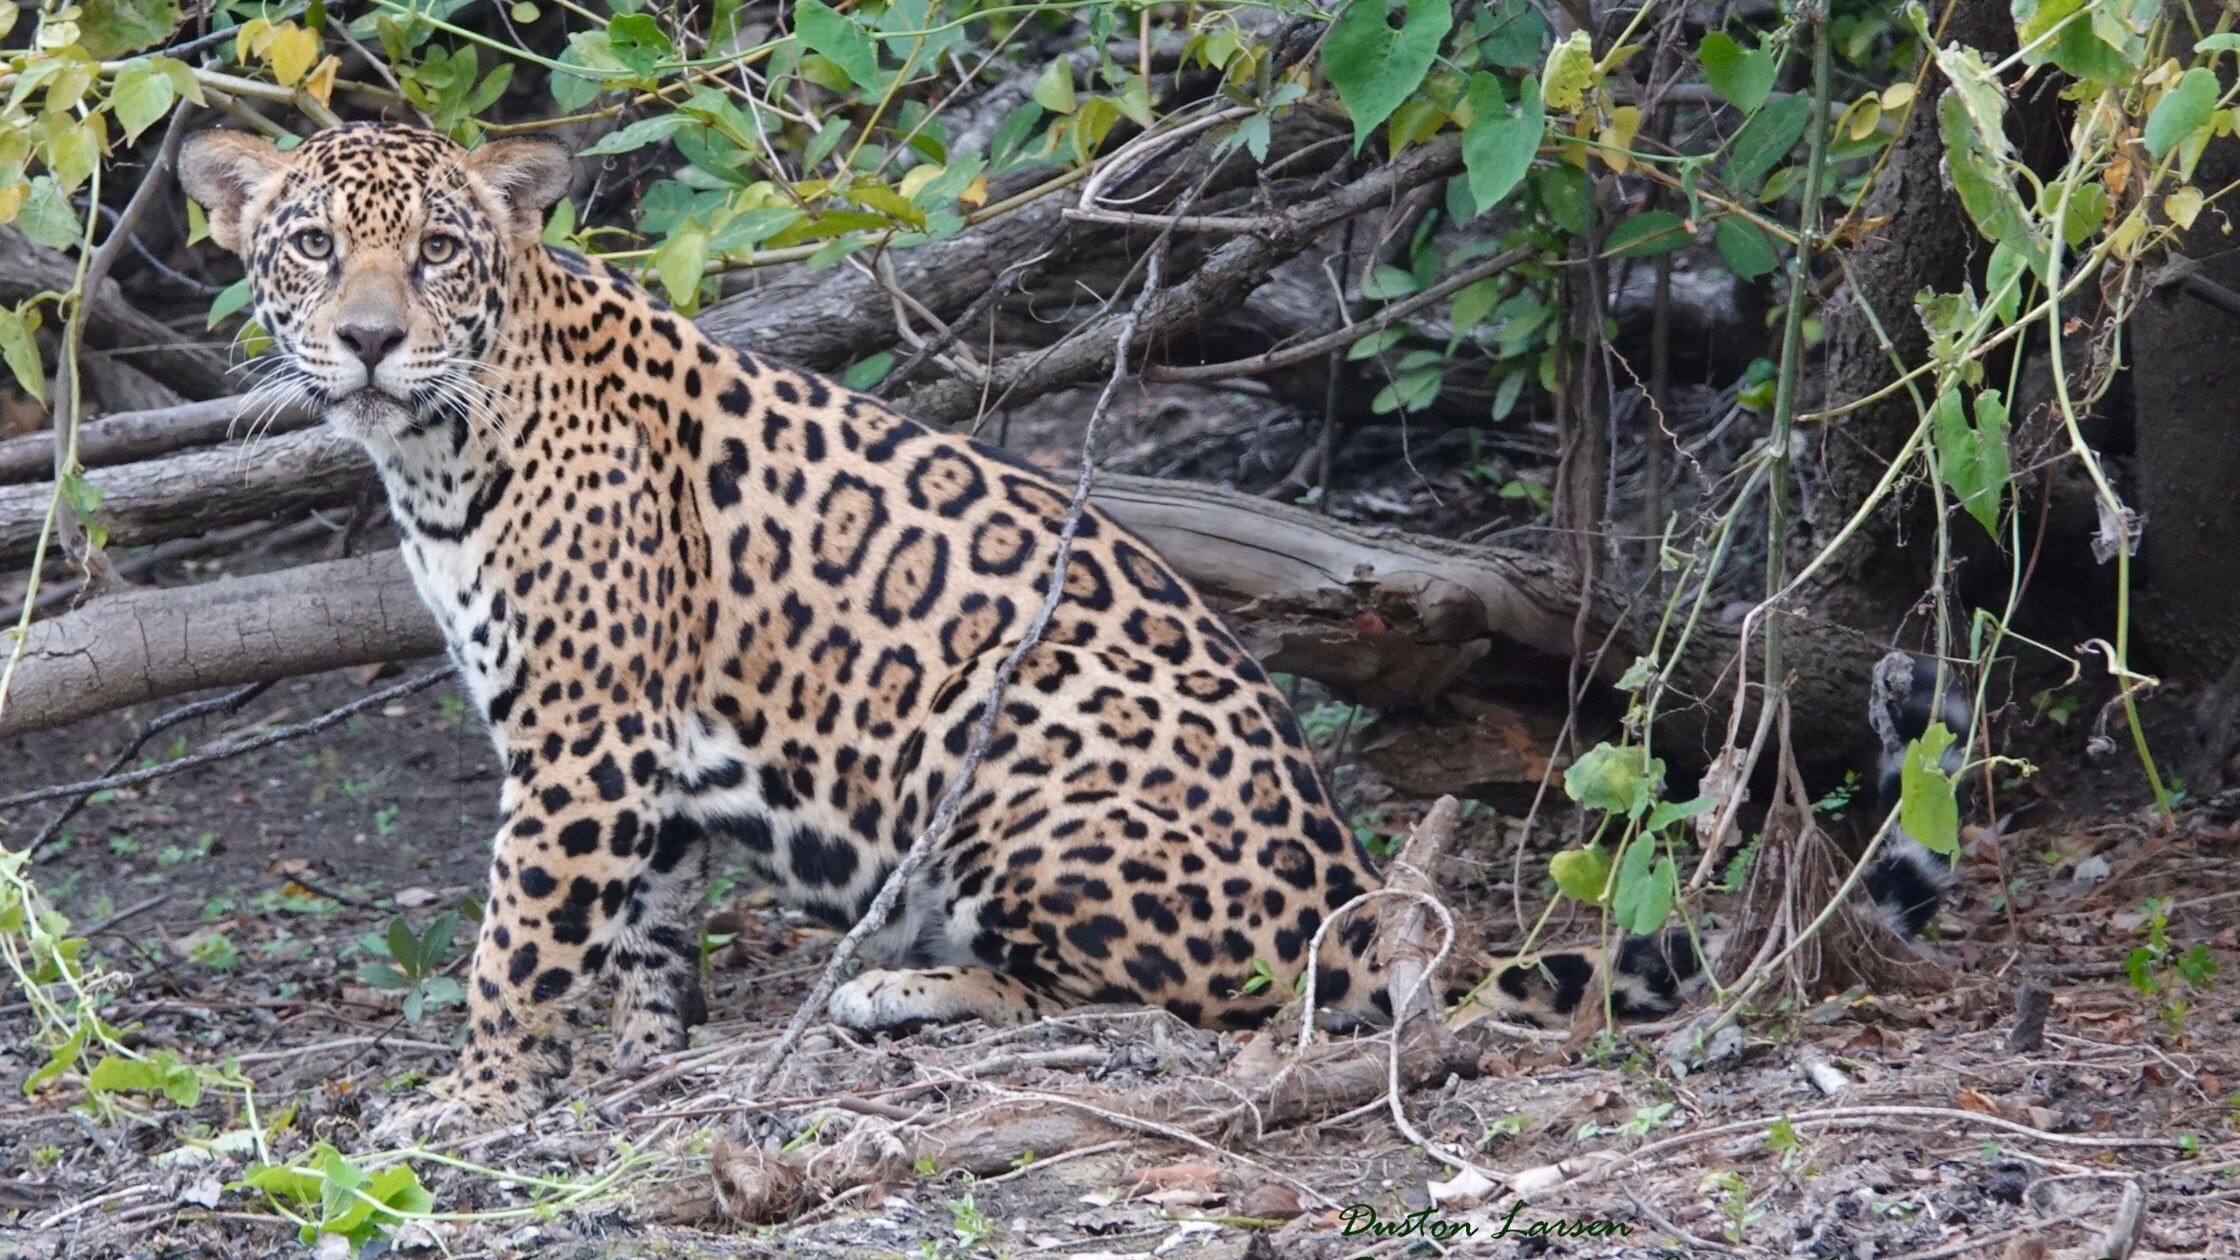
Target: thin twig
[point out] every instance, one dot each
(226, 703)
(235, 748)
(1347, 335)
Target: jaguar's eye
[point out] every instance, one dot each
(314, 243)
(438, 250)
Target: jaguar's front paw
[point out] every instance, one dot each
(449, 1106)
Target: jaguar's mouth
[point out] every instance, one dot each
(367, 410)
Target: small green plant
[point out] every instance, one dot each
(1262, 976)
(325, 1192)
(123, 845)
(971, 1224)
(385, 821)
(212, 948)
(1782, 1140)
(1645, 1119)
(1730, 1197)
(1840, 797)
(412, 960)
(1325, 722)
(1507, 1126)
(2156, 966)
(175, 854)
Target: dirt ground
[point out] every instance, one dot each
(240, 899)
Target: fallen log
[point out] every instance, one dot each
(131, 436)
(190, 494)
(1379, 616)
(145, 644)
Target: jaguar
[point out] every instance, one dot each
(702, 599)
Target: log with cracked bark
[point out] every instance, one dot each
(1380, 616)
(130, 436)
(189, 494)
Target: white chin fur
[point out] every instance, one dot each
(368, 415)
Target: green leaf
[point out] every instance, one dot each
(749, 228)
(2182, 111)
(1388, 282)
(20, 350)
(1499, 144)
(1973, 458)
(48, 218)
(637, 135)
(140, 98)
(108, 29)
(1617, 779)
(869, 372)
(637, 42)
(1569, 72)
(1472, 303)
(1053, 88)
(1566, 195)
(1978, 163)
(1928, 810)
(119, 1075)
(1645, 886)
(681, 261)
(1669, 812)
(2227, 42)
(1744, 78)
(2003, 278)
(1375, 67)
(1646, 234)
(1765, 140)
(826, 30)
(235, 296)
(1748, 252)
(1581, 874)
(1514, 33)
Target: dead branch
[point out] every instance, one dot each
(131, 436)
(113, 324)
(191, 494)
(829, 318)
(1220, 284)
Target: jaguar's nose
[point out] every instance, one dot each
(371, 342)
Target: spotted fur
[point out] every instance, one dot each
(704, 600)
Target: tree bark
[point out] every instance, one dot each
(114, 325)
(190, 494)
(145, 644)
(1919, 237)
(131, 436)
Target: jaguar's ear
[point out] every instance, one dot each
(229, 172)
(525, 175)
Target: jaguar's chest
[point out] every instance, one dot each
(463, 595)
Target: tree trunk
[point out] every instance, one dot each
(1919, 237)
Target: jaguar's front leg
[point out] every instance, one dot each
(569, 886)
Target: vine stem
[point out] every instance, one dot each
(1814, 16)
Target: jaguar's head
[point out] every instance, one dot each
(380, 258)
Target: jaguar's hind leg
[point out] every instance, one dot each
(898, 1001)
